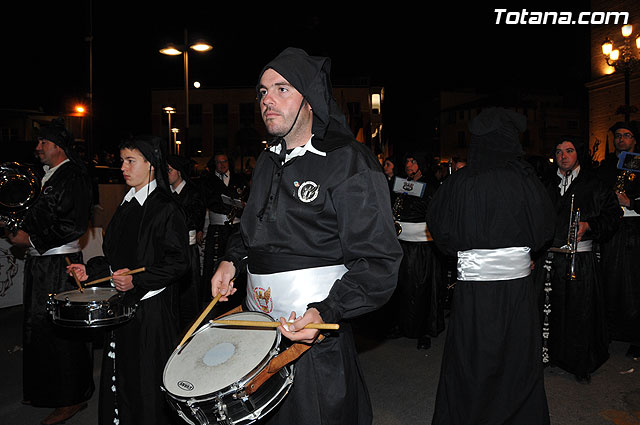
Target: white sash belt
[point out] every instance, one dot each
(69, 248)
(218, 219)
(629, 213)
(414, 232)
(585, 246)
(494, 264)
(192, 237)
(278, 294)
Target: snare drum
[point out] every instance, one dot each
(205, 379)
(93, 308)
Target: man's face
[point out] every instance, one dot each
(624, 140)
(222, 163)
(566, 156)
(136, 170)
(48, 152)
(411, 166)
(388, 168)
(174, 176)
(279, 104)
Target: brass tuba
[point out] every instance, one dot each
(19, 190)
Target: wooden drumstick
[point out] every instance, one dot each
(73, 272)
(104, 279)
(259, 324)
(199, 320)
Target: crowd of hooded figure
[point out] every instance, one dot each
(492, 240)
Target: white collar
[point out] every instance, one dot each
(179, 188)
(141, 195)
(567, 179)
(299, 150)
(48, 171)
(574, 173)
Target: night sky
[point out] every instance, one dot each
(412, 52)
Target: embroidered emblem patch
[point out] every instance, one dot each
(263, 299)
(308, 191)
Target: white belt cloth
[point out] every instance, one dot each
(629, 213)
(218, 219)
(68, 248)
(414, 232)
(494, 264)
(192, 237)
(585, 246)
(278, 294)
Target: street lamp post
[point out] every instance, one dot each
(172, 50)
(625, 61)
(175, 139)
(169, 110)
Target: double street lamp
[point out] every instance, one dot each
(174, 50)
(624, 60)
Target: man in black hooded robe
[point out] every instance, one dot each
(148, 229)
(578, 338)
(621, 253)
(57, 370)
(318, 224)
(491, 214)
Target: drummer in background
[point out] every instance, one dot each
(57, 362)
(189, 197)
(148, 230)
(317, 231)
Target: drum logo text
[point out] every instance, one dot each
(185, 385)
(263, 299)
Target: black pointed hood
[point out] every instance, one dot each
(310, 75)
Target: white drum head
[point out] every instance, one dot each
(89, 294)
(216, 357)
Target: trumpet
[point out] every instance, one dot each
(571, 247)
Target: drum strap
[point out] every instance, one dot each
(281, 360)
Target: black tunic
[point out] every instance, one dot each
(416, 301)
(191, 298)
(57, 364)
(215, 243)
(491, 369)
(319, 211)
(620, 255)
(578, 340)
(154, 236)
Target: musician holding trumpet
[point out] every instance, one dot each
(620, 254)
(316, 239)
(587, 213)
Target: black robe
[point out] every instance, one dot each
(578, 339)
(416, 304)
(191, 298)
(619, 260)
(491, 369)
(346, 220)
(153, 236)
(215, 243)
(57, 367)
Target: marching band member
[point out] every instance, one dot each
(57, 369)
(316, 238)
(491, 214)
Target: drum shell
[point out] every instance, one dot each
(99, 312)
(231, 405)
